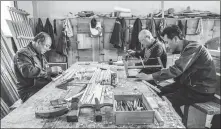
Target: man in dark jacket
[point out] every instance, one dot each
(31, 67)
(194, 72)
(151, 48)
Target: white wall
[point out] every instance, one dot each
(5, 15)
(58, 9)
(27, 6)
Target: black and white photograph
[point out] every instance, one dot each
(110, 64)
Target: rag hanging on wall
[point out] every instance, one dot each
(64, 41)
(95, 28)
(183, 26)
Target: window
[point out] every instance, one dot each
(5, 15)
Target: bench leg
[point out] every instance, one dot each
(185, 116)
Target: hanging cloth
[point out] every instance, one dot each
(68, 28)
(137, 27)
(39, 27)
(62, 45)
(49, 29)
(95, 28)
(64, 41)
(158, 29)
(55, 29)
(183, 26)
(199, 29)
(119, 33)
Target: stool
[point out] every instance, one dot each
(209, 108)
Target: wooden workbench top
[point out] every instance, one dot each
(24, 115)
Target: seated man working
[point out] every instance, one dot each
(194, 72)
(152, 48)
(31, 67)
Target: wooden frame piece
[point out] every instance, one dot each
(126, 67)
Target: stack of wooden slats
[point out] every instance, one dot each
(8, 78)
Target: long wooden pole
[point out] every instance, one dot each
(162, 8)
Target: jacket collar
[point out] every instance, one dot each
(153, 43)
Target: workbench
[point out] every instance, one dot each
(24, 115)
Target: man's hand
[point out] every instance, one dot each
(131, 52)
(143, 76)
(56, 70)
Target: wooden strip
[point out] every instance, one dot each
(29, 26)
(146, 66)
(159, 118)
(18, 11)
(24, 37)
(142, 61)
(160, 62)
(18, 20)
(151, 86)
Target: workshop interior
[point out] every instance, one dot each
(110, 64)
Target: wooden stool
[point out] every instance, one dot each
(209, 108)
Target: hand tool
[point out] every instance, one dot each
(97, 108)
(72, 115)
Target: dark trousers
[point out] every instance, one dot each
(180, 95)
(27, 95)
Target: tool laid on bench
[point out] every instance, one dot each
(47, 112)
(97, 108)
(72, 115)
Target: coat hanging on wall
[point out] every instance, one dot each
(49, 29)
(119, 33)
(39, 27)
(137, 27)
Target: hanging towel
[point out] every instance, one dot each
(158, 29)
(149, 26)
(68, 28)
(183, 26)
(199, 29)
(118, 34)
(39, 27)
(49, 29)
(62, 45)
(137, 27)
(55, 29)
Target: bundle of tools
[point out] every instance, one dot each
(135, 105)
